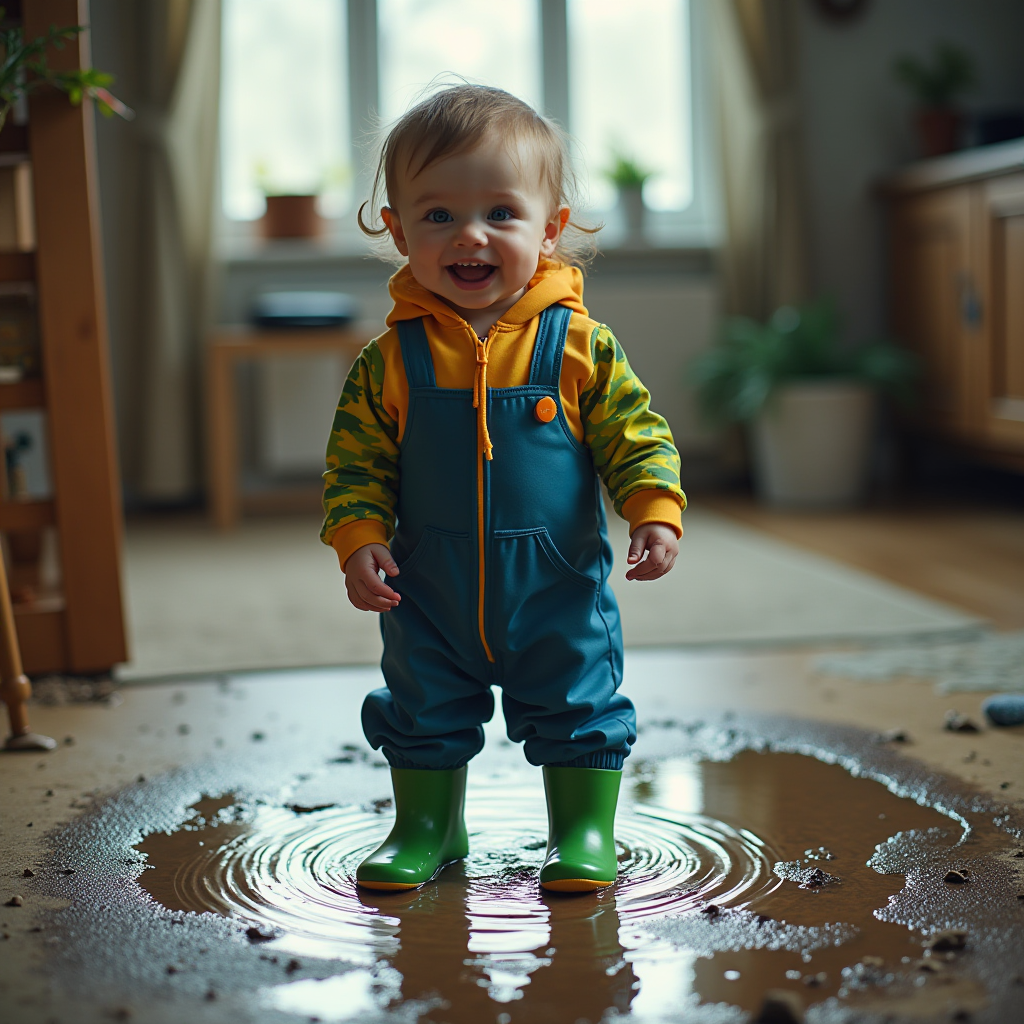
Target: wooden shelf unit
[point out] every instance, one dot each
(81, 628)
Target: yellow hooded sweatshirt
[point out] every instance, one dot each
(606, 406)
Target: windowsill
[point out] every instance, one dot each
(340, 251)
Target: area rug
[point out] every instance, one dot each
(269, 595)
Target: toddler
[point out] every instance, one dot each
(473, 437)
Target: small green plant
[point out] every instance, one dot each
(23, 69)
(625, 172)
(737, 376)
(938, 82)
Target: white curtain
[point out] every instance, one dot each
(179, 130)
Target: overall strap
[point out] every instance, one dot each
(546, 368)
(419, 365)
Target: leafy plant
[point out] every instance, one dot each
(23, 69)
(738, 375)
(935, 84)
(625, 172)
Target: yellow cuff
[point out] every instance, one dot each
(653, 506)
(352, 536)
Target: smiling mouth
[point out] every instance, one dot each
(471, 273)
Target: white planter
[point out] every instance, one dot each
(631, 205)
(812, 442)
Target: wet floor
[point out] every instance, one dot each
(764, 871)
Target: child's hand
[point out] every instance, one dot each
(662, 547)
(366, 590)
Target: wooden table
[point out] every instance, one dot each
(226, 348)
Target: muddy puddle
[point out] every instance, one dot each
(766, 871)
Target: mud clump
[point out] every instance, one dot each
(955, 877)
(952, 940)
(955, 722)
(780, 1007)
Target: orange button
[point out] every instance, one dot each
(545, 410)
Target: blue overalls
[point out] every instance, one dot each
(504, 567)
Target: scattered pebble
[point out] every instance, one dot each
(292, 966)
(1004, 785)
(793, 975)
(955, 722)
(71, 871)
(49, 792)
(1004, 709)
(821, 853)
(780, 1007)
(254, 934)
(308, 808)
(711, 910)
(15, 901)
(171, 969)
(951, 940)
(69, 741)
(141, 778)
(28, 873)
(956, 877)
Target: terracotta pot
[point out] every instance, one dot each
(291, 217)
(938, 129)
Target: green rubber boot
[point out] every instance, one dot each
(429, 830)
(581, 829)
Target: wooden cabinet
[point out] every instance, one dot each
(957, 293)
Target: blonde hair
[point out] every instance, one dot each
(457, 119)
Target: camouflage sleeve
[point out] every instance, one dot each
(631, 445)
(361, 481)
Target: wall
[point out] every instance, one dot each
(661, 304)
(857, 125)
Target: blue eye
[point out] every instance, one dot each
(501, 213)
(439, 216)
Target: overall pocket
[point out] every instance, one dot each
(537, 599)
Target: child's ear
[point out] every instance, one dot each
(553, 231)
(394, 224)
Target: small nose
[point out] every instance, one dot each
(471, 232)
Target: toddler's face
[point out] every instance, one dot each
(474, 225)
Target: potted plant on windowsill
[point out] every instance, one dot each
(809, 403)
(628, 177)
(935, 85)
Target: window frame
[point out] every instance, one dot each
(696, 227)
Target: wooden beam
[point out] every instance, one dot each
(72, 322)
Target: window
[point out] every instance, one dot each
(624, 78)
(284, 88)
(422, 39)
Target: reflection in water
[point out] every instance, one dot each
(484, 943)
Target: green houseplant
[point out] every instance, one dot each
(935, 85)
(628, 177)
(809, 402)
(24, 68)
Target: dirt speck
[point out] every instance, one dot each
(254, 934)
(15, 901)
(28, 873)
(955, 877)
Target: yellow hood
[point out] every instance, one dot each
(553, 283)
